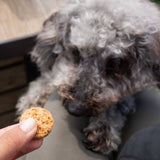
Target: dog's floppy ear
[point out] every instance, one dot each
(49, 43)
(147, 51)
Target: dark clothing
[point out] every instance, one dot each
(143, 145)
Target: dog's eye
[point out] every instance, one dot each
(76, 55)
(73, 55)
(116, 66)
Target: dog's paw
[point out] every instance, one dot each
(23, 104)
(101, 138)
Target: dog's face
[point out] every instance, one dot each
(94, 61)
(99, 79)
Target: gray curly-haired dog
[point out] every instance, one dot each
(99, 53)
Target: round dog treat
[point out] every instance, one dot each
(43, 119)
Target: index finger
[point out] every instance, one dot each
(3, 130)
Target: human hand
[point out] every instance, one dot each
(17, 140)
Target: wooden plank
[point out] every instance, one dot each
(9, 100)
(11, 61)
(8, 119)
(17, 47)
(12, 77)
(22, 17)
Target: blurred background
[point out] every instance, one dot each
(20, 21)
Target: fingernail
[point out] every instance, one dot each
(27, 125)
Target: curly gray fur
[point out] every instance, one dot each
(98, 52)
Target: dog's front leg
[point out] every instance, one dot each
(103, 132)
(101, 135)
(37, 94)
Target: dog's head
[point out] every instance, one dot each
(96, 59)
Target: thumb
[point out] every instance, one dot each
(16, 137)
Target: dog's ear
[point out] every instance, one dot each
(49, 42)
(147, 49)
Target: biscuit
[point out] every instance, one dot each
(43, 119)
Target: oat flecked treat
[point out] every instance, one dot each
(43, 119)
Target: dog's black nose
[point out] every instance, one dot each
(76, 109)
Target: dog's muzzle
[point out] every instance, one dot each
(75, 108)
